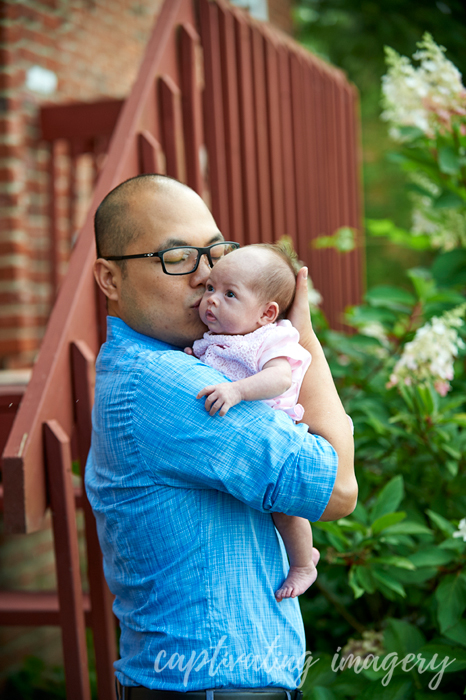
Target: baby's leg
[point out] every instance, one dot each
(297, 536)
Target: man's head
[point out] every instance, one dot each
(147, 214)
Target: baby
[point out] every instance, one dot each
(247, 292)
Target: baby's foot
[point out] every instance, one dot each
(299, 579)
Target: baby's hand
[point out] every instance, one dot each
(220, 397)
(188, 351)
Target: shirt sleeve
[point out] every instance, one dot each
(254, 453)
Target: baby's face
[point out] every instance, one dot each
(229, 306)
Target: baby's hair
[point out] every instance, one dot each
(276, 282)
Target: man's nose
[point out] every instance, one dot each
(201, 274)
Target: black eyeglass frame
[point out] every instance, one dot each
(160, 253)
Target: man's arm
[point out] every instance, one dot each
(274, 379)
(324, 412)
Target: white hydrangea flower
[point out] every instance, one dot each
(425, 97)
(461, 531)
(313, 295)
(375, 329)
(446, 227)
(430, 355)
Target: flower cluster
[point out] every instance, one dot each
(426, 97)
(461, 531)
(430, 355)
(446, 227)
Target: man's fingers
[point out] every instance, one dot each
(299, 314)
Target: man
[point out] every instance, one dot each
(183, 500)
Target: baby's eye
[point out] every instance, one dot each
(209, 288)
(230, 294)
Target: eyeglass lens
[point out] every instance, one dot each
(179, 261)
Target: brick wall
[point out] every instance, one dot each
(280, 14)
(81, 42)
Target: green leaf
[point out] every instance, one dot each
(452, 466)
(333, 529)
(320, 692)
(357, 590)
(389, 498)
(450, 268)
(343, 240)
(459, 419)
(440, 653)
(448, 200)
(386, 521)
(448, 161)
(410, 133)
(423, 282)
(391, 297)
(398, 562)
(402, 637)
(408, 528)
(365, 579)
(426, 400)
(360, 514)
(432, 556)
(451, 599)
(389, 582)
(445, 526)
(457, 633)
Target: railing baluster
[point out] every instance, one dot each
(151, 158)
(232, 127)
(172, 127)
(65, 538)
(275, 138)
(103, 620)
(191, 89)
(247, 135)
(214, 115)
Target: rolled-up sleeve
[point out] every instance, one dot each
(255, 453)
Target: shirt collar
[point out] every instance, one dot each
(118, 330)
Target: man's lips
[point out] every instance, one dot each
(196, 304)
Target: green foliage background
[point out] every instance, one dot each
(352, 36)
(392, 578)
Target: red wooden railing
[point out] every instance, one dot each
(267, 134)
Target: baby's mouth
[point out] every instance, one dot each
(209, 316)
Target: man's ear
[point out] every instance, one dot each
(108, 276)
(270, 313)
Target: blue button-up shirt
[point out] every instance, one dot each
(183, 503)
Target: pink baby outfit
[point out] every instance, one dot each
(240, 356)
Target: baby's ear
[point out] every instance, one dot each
(270, 313)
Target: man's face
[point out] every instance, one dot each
(149, 301)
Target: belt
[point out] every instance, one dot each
(140, 693)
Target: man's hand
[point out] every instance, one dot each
(220, 397)
(299, 313)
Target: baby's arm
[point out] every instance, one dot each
(274, 379)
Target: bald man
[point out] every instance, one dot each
(183, 500)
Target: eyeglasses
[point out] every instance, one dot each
(183, 260)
